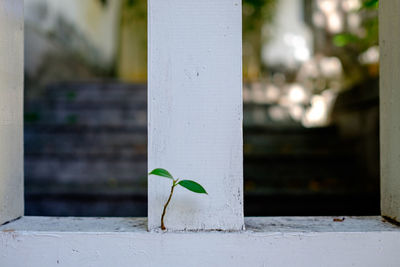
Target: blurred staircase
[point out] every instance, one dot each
(86, 150)
(86, 154)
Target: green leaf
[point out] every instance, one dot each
(193, 186)
(161, 172)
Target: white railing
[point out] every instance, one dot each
(195, 116)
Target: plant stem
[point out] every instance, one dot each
(166, 204)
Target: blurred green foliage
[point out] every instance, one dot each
(31, 117)
(71, 95)
(137, 9)
(256, 15)
(370, 24)
(72, 119)
(371, 4)
(349, 45)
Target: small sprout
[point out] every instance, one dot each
(188, 184)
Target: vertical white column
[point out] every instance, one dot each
(11, 101)
(389, 27)
(195, 112)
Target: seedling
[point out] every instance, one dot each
(188, 184)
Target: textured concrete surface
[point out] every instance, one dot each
(268, 241)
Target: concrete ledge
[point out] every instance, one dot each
(268, 241)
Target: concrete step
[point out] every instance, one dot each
(96, 92)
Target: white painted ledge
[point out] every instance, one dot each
(268, 241)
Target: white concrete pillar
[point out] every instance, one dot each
(195, 112)
(389, 41)
(11, 102)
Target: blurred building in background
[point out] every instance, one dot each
(310, 94)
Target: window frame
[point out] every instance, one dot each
(11, 158)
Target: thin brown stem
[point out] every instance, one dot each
(166, 205)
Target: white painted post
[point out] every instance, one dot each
(195, 112)
(389, 27)
(11, 101)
